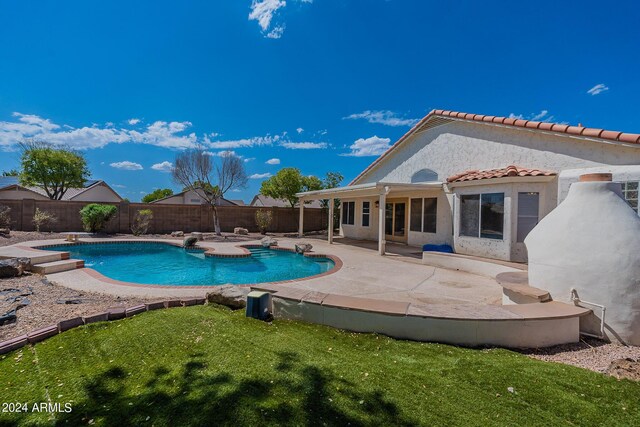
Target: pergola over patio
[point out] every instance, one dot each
(381, 190)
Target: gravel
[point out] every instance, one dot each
(43, 309)
(590, 353)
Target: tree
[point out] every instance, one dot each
(286, 183)
(12, 172)
(53, 169)
(157, 194)
(195, 170)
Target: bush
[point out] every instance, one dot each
(5, 218)
(95, 216)
(263, 220)
(43, 219)
(141, 222)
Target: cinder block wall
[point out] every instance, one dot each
(166, 218)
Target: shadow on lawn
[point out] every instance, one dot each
(297, 394)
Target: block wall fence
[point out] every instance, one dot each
(166, 218)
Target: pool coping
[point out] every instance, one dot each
(208, 252)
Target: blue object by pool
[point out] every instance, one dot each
(438, 248)
(162, 264)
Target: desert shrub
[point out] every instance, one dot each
(141, 222)
(95, 216)
(263, 220)
(5, 218)
(43, 219)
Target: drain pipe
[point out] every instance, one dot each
(576, 300)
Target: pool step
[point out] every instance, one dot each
(50, 257)
(57, 266)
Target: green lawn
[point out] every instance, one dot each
(210, 366)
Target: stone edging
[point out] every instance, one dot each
(115, 313)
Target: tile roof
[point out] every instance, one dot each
(8, 181)
(579, 131)
(630, 138)
(509, 171)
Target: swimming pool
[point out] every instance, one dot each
(154, 263)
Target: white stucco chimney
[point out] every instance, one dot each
(591, 242)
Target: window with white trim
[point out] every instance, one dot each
(424, 215)
(482, 215)
(630, 194)
(366, 213)
(348, 213)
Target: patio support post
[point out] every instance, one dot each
(381, 212)
(330, 233)
(301, 221)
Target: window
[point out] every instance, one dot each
(630, 194)
(528, 204)
(348, 212)
(424, 214)
(482, 215)
(366, 206)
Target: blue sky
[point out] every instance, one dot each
(323, 85)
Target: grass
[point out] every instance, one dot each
(210, 366)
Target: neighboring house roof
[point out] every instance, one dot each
(269, 202)
(7, 182)
(238, 202)
(220, 200)
(509, 171)
(444, 116)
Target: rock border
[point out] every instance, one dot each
(115, 313)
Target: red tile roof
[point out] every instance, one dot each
(608, 135)
(474, 175)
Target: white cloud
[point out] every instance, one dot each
(127, 165)
(162, 134)
(299, 130)
(248, 159)
(260, 175)
(372, 146)
(303, 145)
(257, 141)
(598, 89)
(264, 10)
(273, 161)
(225, 153)
(163, 167)
(133, 121)
(387, 118)
(118, 186)
(541, 116)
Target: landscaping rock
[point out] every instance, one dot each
(189, 242)
(177, 234)
(241, 231)
(302, 247)
(625, 369)
(197, 235)
(268, 241)
(230, 295)
(14, 267)
(5, 232)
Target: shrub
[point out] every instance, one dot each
(141, 222)
(263, 220)
(95, 216)
(5, 218)
(43, 219)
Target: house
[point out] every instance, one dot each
(190, 197)
(93, 191)
(268, 202)
(478, 183)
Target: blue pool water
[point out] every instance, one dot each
(162, 264)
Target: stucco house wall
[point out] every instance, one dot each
(458, 146)
(98, 193)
